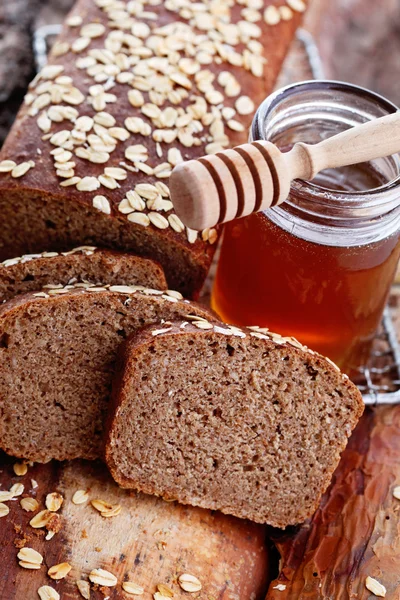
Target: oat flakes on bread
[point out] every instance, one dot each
(243, 421)
(130, 90)
(89, 264)
(57, 356)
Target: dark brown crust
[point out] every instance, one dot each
(37, 213)
(81, 265)
(140, 340)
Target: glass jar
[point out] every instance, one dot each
(319, 266)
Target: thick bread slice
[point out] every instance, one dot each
(87, 263)
(241, 421)
(57, 353)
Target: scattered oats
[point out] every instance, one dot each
(29, 504)
(165, 590)
(50, 535)
(103, 577)
(119, 133)
(59, 138)
(59, 571)
(44, 123)
(54, 501)
(175, 156)
(101, 505)
(191, 235)
(272, 15)
(51, 71)
(74, 21)
(139, 219)
(114, 512)
(176, 223)
(80, 44)
(158, 220)
(286, 13)
(136, 98)
(108, 182)
(102, 204)
(4, 510)
(17, 489)
(213, 148)
(174, 294)
(374, 586)
(22, 169)
(116, 173)
(244, 105)
(84, 123)
(296, 5)
(48, 593)
(29, 556)
(281, 587)
(92, 30)
(396, 492)
(132, 588)
(104, 119)
(41, 519)
(203, 325)
(84, 588)
(6, 166)
(189, 583)
(20, 469)
(214, 97)
(71, 181)
(136, 153)
(34, 484)
(88, 184)
(235, 125)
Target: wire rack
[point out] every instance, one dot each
(379, 381)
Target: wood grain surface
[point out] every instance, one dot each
(149, 542)
(355, 532)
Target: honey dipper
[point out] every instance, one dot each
(255, 176)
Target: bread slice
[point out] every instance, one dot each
(57, 354)
(87, 263)
(242, 421)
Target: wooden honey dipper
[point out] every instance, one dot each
(252, 177)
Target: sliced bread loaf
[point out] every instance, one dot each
(57, 353)
(87, 263)
(242, 421)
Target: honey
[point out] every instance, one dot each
(330, 298)
(319, 266)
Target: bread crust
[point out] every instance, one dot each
(38, 213)
(88, 263)
(137, 346)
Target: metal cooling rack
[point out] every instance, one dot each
(379, 382)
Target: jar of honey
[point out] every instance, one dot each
(318, 267)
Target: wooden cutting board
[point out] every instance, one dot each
(150, 542)
(355, 533)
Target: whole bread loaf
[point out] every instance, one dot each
(132, 89)
(242, 421)
(57, 353)
(88, 264)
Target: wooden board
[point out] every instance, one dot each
(355, 531)
(149, 542)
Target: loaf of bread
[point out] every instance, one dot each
(241, 421)
(88, 264)
(132, 89)
(57, 353)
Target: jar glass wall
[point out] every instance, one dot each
(320, 266)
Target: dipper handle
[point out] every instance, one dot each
(252, 177)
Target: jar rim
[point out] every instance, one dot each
(308, 187)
